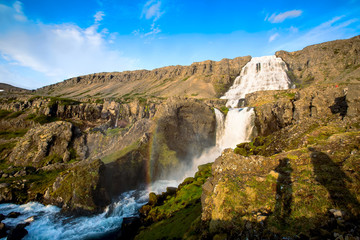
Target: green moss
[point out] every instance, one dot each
(4, 113)
(224, 110)
(62, 101)
(259, 146)
(99, 101)
(176, 215)
(8, 134)
(14, 114)
(42, 119)
(185, 79)
(118, 154)
(174, 227)
(7, 146)
(51, 159)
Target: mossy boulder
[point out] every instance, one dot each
(47, 144)
(80, 189)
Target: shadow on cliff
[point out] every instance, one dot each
(329, 174)
(340, 106)
(283, 191)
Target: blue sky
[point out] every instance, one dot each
(46, 41)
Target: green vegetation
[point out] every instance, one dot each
(62, 101)
(224, 110)
(118, 154)
(99, 101)
(42, 119)
(14, 114)
(259, 146)
(8, 134)
(286, 94)
(185, 79)
(178, 215)
(4, 113)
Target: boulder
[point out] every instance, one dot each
(80, 189)
(19, 232)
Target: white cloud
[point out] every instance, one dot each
(19, 15)
(99, 16)
(336, 28)
(152, 10)
(293, 29)
(61, 51)
(273, 37)
(278, 18)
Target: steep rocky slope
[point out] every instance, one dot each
(206, 79)
(47, 145)
(335, 61)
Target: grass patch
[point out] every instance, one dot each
(62, 101)
(172, 228)
(4, 113)
(185, 79)
(118, 154)
(42, 119)
(99, 101)
(7, 134)
(224, 110)
(14, 115)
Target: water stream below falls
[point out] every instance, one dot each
(263, 73)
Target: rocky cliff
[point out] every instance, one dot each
(299, 177)
(335, 61)
(48, 144)
(206, 79)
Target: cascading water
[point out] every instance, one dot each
(264, 73)
(261, 73)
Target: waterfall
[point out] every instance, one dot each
(264, 73)
(261, 73)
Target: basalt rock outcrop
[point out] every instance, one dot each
(56, 142)
(60, 138)
(183, 129)
(201, 79)
(335, 61)
(298, 178)
(80, 189)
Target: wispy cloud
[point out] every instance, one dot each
(60, 51)
(273, 37)
(99, 16)
(279, 18)
(152, 10)
(336, 28)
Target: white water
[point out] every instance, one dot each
(50, 224)
(261, 73)
(265, 73)
(237, 127)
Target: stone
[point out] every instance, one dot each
(19, 232)
(13, 215)
(152, 199)
(3, 229)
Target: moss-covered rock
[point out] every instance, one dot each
(176, 214)
(80, 189)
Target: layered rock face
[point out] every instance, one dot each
(183, 130)
(57, 160)
(298, 177)
(326, 62)
(202, 79)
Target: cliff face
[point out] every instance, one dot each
(298, 177)
(206, 79)
(336, 61)
(47, 145)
